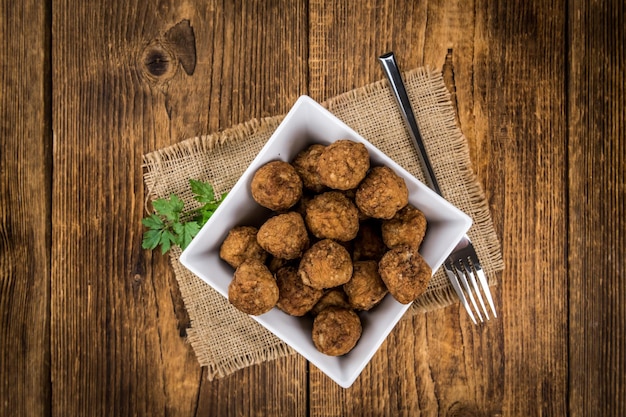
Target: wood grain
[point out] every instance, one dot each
(117, 345)
(411, 372)
(597, 163)
(506, 46)
(25, 175)
(93, 325)
(526, 136)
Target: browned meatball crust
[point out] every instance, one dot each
(368, 244)
(302, 204)
(336, 331)
(305, 164)
(284, 236)
(332, 216)
(276, 186)
(241, 244)
(366, 288)
(326, 264)
(405, 273)
(295, 298)
(406, 228)
(274, 263)
(334, 297)
(343, 164)
(253, 289)
(382, 193)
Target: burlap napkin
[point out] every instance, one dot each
(225, 339)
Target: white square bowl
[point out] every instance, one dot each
(307, 123)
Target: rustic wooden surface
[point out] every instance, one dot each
(93, 325)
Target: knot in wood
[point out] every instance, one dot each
(157, 63)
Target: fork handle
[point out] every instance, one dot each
(388, 61)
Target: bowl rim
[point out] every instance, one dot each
(304, 103)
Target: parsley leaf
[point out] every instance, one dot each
(169, 208)
(151, 239)
(190, 230)
(153, 222)
(203, 191)
(166, 226)
(167, 239)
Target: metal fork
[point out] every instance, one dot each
(462, 266)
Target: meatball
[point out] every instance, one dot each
(241, 244)
(366, 288)
(405, 273)
(406, 228)
(302, 204)
(368, 243)
(336, 331)
(343, 164)
(295, 298)
(274, 263)
(326, 264)
(253, 289)
(276, 186)
(284, 236)
(305, 164)
(382, 193)
(332, 216)
(335, 297)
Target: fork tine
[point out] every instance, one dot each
(467, 287)
(485, 286)
(457, 287)
(472, 280)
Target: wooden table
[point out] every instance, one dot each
(94, 325)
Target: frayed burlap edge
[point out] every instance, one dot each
(154, 163)
(442, 297)
(218, 367)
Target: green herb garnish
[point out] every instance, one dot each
(170, 225)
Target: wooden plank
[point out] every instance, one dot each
(25, 197)
(113, 328)
(521, 132)
(507, 64)
(597, 161)
(252, 63)
(418, 369)
(346, 40)
(277, 388)
(127, 84)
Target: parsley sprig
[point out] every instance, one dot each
(170, 225)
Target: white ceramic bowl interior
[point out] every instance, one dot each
(307, 123)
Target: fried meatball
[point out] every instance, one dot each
(276, 186)
(343, 164)
(295, 298)
(284, 236)
(405, 273)
(253, 289)
(241, 244)
(406, 228)
(382, 193)
(336, 331)
(334, 297)
(326, 264)
(302, 204)
(332, 216)
(368, 243)
(350, 194)
(274, 263)
(366, 288)
(305, 164)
